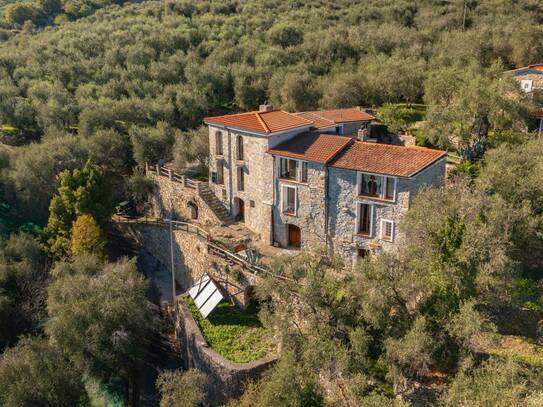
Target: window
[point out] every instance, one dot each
(251, 203)
(294, 170)
(387, 230)
(240, 148)
(218, 143)
(288, 168)
(377, 186)
(390, 186)
(241, 179)
(303, 173)
(365, 219)
(288, 200)
(220, 172)
(214, 177)
(526, 85)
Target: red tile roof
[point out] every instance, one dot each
(318, 121)
(537, 67)
(387, 159)
(320, 148)
(260, 122)
(329, 118)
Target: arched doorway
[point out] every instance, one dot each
(193, 208)
(294, 236)
(239, 210)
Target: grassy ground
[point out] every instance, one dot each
(519, 347)
(236, 334)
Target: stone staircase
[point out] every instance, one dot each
(209, 197)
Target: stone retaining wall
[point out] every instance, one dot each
(174, 195)
(191, 259)
(226, 379)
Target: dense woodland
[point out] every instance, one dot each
(90, 91)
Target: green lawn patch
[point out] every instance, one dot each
(236, 334)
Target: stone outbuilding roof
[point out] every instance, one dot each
(264, 122)
(329, 118)
(320, 148)
(387, 159)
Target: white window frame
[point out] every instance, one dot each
(284, 195)
(525, 82)
(383, 189)
(357, 223)
(383, 229)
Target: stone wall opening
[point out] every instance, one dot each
(193, 209)
(294, 236)
(239, 209)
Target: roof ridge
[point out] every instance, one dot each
(261, 120)
(400, 146)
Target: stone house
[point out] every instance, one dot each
(530, 77)
(304, 180)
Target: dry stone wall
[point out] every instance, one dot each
(226, 379)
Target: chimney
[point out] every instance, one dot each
(266, 107)
(364, 135)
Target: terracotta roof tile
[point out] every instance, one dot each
(320, 148)
(351, 114)
(387, 159)
(260, 122)
(318, 121)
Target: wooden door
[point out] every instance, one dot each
(241, 210)
(294, 236)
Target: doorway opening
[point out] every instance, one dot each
(239, 209)
(294, 236)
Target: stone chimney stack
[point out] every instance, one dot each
(266, 107)
(364, 135)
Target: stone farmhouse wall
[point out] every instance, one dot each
(311, 209)
(344, 200)
(170, 195)
(226, 379)
(258, 169)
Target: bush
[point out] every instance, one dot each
(398, 117)
(87, 237)
(181, 389)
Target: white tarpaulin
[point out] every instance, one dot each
(206, 295)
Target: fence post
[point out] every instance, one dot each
(170, 173)
(146, 168)
(158, 169)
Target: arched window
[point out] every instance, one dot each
(218, 143)
(240, 148)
